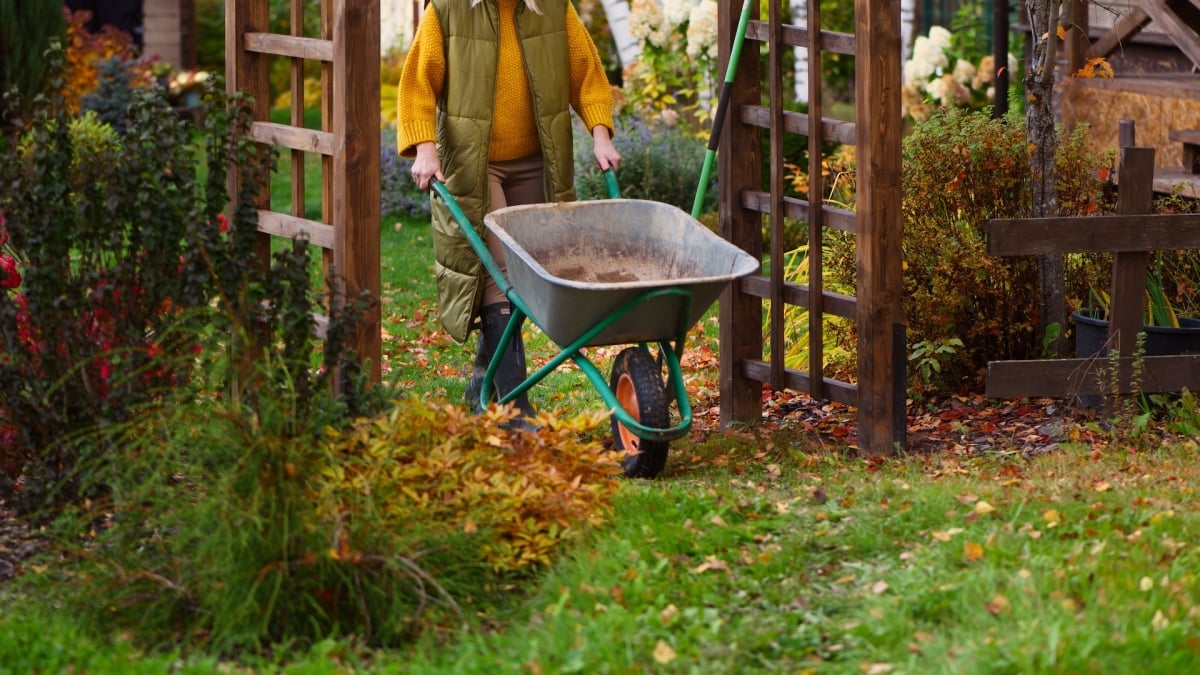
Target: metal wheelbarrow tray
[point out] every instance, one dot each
(576, 263)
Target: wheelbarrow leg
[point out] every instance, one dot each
(510, 372)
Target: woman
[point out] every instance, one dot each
(484, 107)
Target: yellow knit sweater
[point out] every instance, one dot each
(514, 134)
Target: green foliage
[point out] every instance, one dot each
(659, 162)
(26, 30)
(961, 170)
(210, 35)
(111, 98)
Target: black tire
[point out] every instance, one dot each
(637, 382)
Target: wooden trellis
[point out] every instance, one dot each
(348, 140)
(879, 392)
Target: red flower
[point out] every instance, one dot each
(222, 223)
(9, 276)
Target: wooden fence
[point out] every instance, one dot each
(1129, 235)
(347, 141)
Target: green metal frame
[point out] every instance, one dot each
(670, 351)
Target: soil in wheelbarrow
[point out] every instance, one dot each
(609, 266)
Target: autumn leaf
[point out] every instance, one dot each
(972, 551)
(1051, 517)
(663, 653)
(1061, 33)
(983, 508)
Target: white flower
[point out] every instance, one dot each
(964, 72)
(940, 37)
(928, 59)
(675, 12)
(702, 29)
(645, 19)
(937, 89)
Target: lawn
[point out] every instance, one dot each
(767, 547)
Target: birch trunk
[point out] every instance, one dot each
(1042, 137)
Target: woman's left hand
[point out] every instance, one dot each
(606, 154)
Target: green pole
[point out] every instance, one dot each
(719, 119)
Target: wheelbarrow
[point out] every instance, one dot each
(610, 272)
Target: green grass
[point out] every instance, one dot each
(765, 550)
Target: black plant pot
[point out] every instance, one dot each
(1091, 339)
(1091, 336)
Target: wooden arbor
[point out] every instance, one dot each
(877, 305)
(347, 141)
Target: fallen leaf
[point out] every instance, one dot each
(999, 605)
(972, 551)
(983, 508)
(1051, 517)
(879, 587)
(663, 653)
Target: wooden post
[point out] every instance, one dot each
(739, 164)
(247, 71)
(356, 190)
(880, 233)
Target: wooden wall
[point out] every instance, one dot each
(170, 27)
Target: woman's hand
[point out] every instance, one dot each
(602, 145)
(426, 166)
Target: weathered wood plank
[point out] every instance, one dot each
(1128, 292)
(1125, 28)
(834, 390)
(283, 225)
(798, 123)
(797, 36)
(1098, 375)
(311, 49)
(1167, 18)
(294, 138)
(1101, 234)
(835, 217)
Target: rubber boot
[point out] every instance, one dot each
(510, 372)
(483, 357)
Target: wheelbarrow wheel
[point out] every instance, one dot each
(638, 385)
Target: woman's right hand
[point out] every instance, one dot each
(427, 165)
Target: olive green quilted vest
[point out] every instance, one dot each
(464, 127)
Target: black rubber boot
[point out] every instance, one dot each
(510, 373)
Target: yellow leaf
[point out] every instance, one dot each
(663, 653)
(1102, 486)
(469, 526)
(1062, 33)
(983, 508)
(972, 552)
(940, 536)
(668, 614)
(1051, 517)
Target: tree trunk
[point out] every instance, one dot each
(1042, 136)
(617, 12)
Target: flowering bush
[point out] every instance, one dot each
(187, 82)
(679, 55)
(940, 73)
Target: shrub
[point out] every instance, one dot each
(962, 169)
(398, 190)
(659, 162)
(119, 242)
